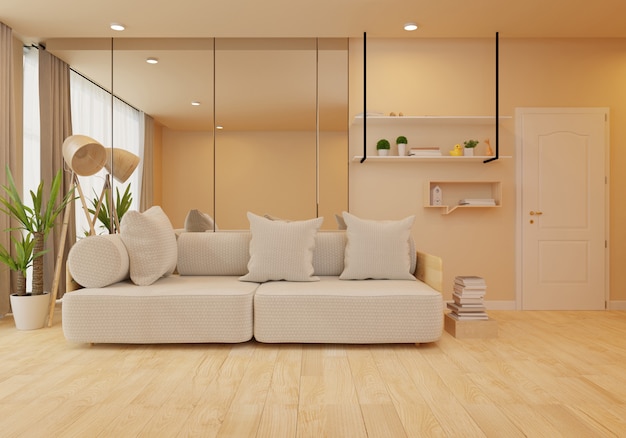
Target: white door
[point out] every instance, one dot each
(563, 193)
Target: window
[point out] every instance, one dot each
(91, 116)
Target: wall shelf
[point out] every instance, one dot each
(429, 120)
(454, 191)
(414, 159)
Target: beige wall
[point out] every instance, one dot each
(450, 77)
(457, 77)
(187, 169)
(263, 172)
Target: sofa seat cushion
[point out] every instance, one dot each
(355, 312)
(174, 309)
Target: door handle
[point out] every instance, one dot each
(537, 213)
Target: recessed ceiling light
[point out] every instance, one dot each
(152, 60)
(410, 27)
(195, 103)
(117, 26)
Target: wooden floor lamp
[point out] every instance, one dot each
(85, 157)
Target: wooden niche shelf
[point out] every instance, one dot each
(463, 194)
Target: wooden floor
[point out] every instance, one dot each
(548, 374)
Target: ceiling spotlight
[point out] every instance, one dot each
(195, 103)
(410, 26)
(152, 60)
(117, 26)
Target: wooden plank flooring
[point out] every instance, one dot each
(547, 374)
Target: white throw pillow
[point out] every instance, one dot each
(151, 244)
(98, 261)
(197, 221)
(281, 250)
(377, 249)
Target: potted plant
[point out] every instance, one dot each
(469, 147)
(35, 222)
(383, 147)
(401, 141)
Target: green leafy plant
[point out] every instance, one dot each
(122, 205)
(470, 143)
(401, 140)
(37, 220)
(22, 260)
(383, 144)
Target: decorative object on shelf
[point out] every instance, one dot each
(457, 151)
(469, 146)
(35, 223)
(401, 141)
(383, 147)
(436, 196)
(489, 151)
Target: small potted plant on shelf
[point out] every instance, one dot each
(401, 141)
(35, 223)
(468, 150)
(383, 147)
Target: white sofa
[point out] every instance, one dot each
(206, 301)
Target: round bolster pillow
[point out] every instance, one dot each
(98, 261)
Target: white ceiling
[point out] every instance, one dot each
(62, 24)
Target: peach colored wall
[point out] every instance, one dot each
(187, 174)
(157, 189)
(263, 172)
(457, 77)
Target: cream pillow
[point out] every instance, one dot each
(197, 221)
(377, 249)
(98, 261)
(151, 244)
(281, 250)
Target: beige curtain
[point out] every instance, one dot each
(147, 165)
(8, 150)
(56, 125)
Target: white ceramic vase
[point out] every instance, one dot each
(401, 149)
(468, 152)
(30, 311)
(383, 152)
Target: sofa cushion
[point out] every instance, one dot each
(281, 250)
(98, 261)
(218, 253)
(377, 249)
(336, 311)
(151, 244)
(197, 221)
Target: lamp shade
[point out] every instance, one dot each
(121, 163)
(84, 155)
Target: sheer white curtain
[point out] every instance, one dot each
(91, 116)
(31, 121)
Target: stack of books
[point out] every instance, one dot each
(424, 152)
(468, 295)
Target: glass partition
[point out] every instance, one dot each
(279, 105)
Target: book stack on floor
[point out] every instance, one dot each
(468, 295)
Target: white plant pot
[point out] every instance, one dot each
(401, 149)
(468, 152)
(383, 152)
(30, 311)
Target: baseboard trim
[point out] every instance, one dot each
(617, 305)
